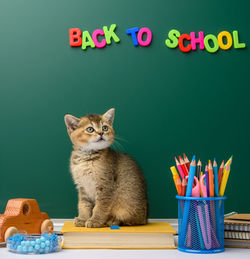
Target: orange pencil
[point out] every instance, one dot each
(178, 184)
(183, 187)
(187, 163)
(211, 179)
(183, 166)
(220, 173)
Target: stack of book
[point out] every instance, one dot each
(150, 236)
(237, 231)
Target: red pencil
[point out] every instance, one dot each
(220, 173)
(187, 163)
(183, 166)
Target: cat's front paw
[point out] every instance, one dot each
(78, 222)
(90, 223)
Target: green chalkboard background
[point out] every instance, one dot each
(167, 102)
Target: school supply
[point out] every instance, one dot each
(220, 173)
(237, 243)
(201, 207)
(179, 168)
(242, 235)
(183, 187)
(237, 230)
(198, 172)
(187, 203)
(216, 183)
(237, 222)
(187, 163)
(177, 179)
(224, 179)
(183, 166)
(229, 161)
(150, 236)
(207, 180)
(211, 179)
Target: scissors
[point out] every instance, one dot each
(199, 188)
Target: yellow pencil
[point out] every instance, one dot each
(229, 161)
(224, 180)
(177, 180)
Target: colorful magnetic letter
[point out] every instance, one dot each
(87, 40)
(149, 36)
(110, 33)
(228, 36)
(181, 45)
(173, 36)
(199, 40)
(237, 45)
(96, 42)
(75, 39)
(215, 42)
(133, 32)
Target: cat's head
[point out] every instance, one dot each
(92, 132)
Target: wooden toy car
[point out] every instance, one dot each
(23, 215)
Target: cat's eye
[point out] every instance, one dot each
(105, 128)
(90, 130)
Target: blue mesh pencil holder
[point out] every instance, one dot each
(201, 224)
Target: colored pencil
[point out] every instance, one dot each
(198, 169)
(229, 161)
(220, 173)
(178, 183)
(179, 168)
(207, 180)
(224, 180)
(211, 179)
(191, 177)
(187, 163)
(183, 166)
(216, 184)
(183, 187)
(177, 180)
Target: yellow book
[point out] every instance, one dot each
(150, 236)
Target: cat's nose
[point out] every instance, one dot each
(100, 133)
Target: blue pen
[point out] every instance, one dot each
(184, 224)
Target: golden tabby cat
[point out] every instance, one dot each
(111, 187)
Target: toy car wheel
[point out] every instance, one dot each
(47, 226)
(11, 231)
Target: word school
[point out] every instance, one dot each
(143, 37)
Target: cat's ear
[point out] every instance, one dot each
(110, 115)
(71, 122)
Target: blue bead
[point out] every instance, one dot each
(42, 245)
(30, 249)
(24, 249)
(23, 243)
(41, 250)
(38, 241)
(37, 247)
(47, 243)
(42, 239)
(46, 249)
(32, 243)
(19, 248)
